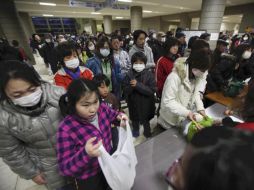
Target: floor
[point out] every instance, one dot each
(10, 181)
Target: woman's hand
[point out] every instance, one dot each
(123, 118)
(133, 83)
(202, 112)
(39, 179)
(229, 112)
(93, 150)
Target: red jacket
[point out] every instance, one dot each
(164, 67)
(246, 125)
(63, 79)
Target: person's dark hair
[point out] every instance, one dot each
(200, 59)
(65, 49)
(16, 70)
(138, 56)
(248, 106)
(224, 164)
(137, 33)
(170, 42)
(114, 37)
(76, 90)
(101, 79)
(100, 43)
(204, 35)
(15, 43)
(200, 44)
(191, 41)
(88, 51)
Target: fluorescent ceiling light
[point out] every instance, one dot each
(128, 1)
(146, 11)
(48, 15)
(119, 17)
(95, 13)
(48, 4)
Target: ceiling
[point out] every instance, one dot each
(151, 8)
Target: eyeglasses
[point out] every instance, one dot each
(170, 175)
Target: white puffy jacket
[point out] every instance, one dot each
(180, 95)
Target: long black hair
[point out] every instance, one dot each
(199, 59)
(16, 70)
(76, 90)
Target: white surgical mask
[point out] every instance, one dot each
(197, 72)
(72, 64)
(163, 39)
(29, 100)
(91, 47)
(131, 42)
(62, 40)
(104, 52)
(48, 40)
(245, 38)
(246, 55)
(139, 67)
(154, 35)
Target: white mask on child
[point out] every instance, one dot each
(246, 55)
(197, 72)
(72, 64)
(91, 47)
(139, 67)
(29, 100)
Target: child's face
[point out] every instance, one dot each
(70, 57)
(138, 62)
(103, 90)
(88, 106)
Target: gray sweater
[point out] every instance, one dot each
(148, 53)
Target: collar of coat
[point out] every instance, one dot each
(63, 73)
(182, 69)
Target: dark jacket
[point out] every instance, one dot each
(245, 70)
(140, 99)
(221, 72)
(49, 55)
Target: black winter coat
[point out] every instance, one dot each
(140, 99)
(49, 54)
(220, 74)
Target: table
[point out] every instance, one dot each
(154, 158)
(226, 101)
(220, 98)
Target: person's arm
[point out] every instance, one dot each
(71, 162)
(15, 155)
(147, 89)
(127, 88)
(170, 96)
(59, 81)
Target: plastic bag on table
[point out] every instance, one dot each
(119, 169)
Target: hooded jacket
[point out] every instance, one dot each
(180, 95)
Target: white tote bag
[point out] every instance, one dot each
(119, 169)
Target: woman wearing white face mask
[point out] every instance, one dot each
(71, 68)
(104, 62)
(88, 52)
(246, 66)
(139, 88)
(180, 96)
(30, 115)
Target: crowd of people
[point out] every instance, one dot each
(51, 133)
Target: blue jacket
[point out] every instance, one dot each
(94, 64)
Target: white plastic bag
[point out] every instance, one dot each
(119, 169)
